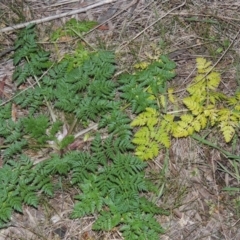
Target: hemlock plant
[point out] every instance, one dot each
(110, 174)
(81, 87)
(205, 107)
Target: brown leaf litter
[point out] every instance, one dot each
(192, 186)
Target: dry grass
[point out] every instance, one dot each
(192, 182)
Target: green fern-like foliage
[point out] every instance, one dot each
(26, 49)
(146, 92)
(206, 106)
(111, 180)
(144, 87)
(84, 88)
(203, 99)
(77, 58)
(115, 186)
(154, 132)
(20, 184)
(72, 28)
(11, 132)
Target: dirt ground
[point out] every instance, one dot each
(193, 181)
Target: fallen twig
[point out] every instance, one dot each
(216, 63)
(152, 24)
(50, 18)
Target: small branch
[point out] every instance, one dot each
(207, 15)
(50, 18)
(83, 39)
(115, 15)
(177, 111)
(216, 63)
(152, 24)
(85, 131)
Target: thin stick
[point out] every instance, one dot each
(144, 30)
(50, 18)
(206, 15)
(216, 63)
(85, 131)
(115, 15)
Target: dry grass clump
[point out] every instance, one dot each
(192, 175)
